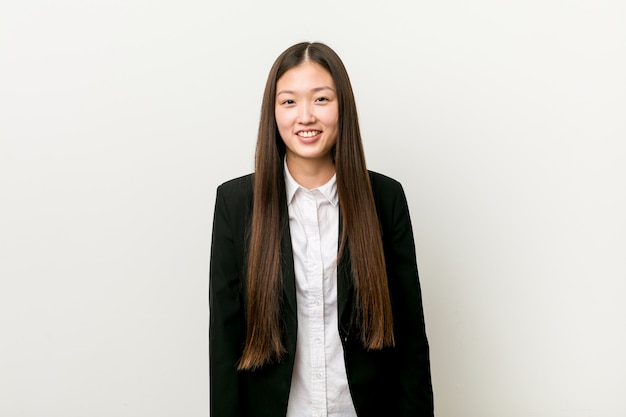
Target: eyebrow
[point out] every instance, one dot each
(315, 90)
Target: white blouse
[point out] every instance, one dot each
(319, 385)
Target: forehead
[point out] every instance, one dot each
(305, 76)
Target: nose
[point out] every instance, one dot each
(306, 114)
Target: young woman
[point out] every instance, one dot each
(315, 304)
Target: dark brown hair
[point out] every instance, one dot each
(360, 234)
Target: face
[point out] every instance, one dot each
(307, 112)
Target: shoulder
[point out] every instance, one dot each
(236, 194)
(389, 198)
(237, 186)
(382, 184)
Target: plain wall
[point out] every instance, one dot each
(505, 122)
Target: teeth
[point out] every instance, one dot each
(309, 133)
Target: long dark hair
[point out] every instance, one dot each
(360, 234)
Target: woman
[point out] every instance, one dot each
(315, 304)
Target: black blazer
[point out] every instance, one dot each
(389, 382)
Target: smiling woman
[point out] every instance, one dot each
(315, 303)
(307, 114)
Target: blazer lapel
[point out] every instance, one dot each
(288, 271)
(344, 281)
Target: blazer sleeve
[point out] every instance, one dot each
(226, 318)
(416, 396)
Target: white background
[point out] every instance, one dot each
(504, 120)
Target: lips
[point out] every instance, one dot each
(308, 136)
(308, 133)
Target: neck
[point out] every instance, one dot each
(310, 173)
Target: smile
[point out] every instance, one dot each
(308, 133)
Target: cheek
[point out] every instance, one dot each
(331, 118)
(331, 113)
(282, 119)
(283, 125)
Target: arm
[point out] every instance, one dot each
(226, 314)
(416, 397)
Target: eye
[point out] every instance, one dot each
(287, 102)
(321, 99)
